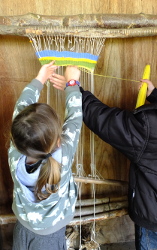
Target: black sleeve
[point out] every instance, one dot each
(152, 98)
(117, 127)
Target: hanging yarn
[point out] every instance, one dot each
(67, 50)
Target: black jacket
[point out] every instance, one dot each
(135, 135)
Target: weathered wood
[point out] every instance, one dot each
(82, 32)
(89, 210)
(7, 219)
(103, 181)
(89, 202)
(107, 21)
(89, 25)
(98, 217)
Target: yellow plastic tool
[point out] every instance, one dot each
(141, 98)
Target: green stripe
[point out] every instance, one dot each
(87, 65)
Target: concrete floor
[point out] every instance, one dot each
(119, 246)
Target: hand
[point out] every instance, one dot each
(72, 73)
(58, 81)
(150, 86)
(46, 72)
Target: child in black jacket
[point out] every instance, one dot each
(135, 135)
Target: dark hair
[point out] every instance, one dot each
(35, 132)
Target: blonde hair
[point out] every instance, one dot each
(35, 132)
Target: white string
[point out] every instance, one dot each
(93, 167)
(48, 92)
(71, 43)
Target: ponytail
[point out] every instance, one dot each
(49, 177)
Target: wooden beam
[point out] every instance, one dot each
(84, 25)
(107, 21)
(7, 219)
(103, 181)
(90, 202)
(100, 208)
(98, 217)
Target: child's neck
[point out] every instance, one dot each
(30, 160)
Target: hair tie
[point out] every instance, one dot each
(48, 155)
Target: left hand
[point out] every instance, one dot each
(150, 86)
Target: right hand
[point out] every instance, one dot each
(150, 86)
(72, 73)
(46, 71)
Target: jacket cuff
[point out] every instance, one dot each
(81, 89)
(153, 96)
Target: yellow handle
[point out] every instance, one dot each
(143, 90)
